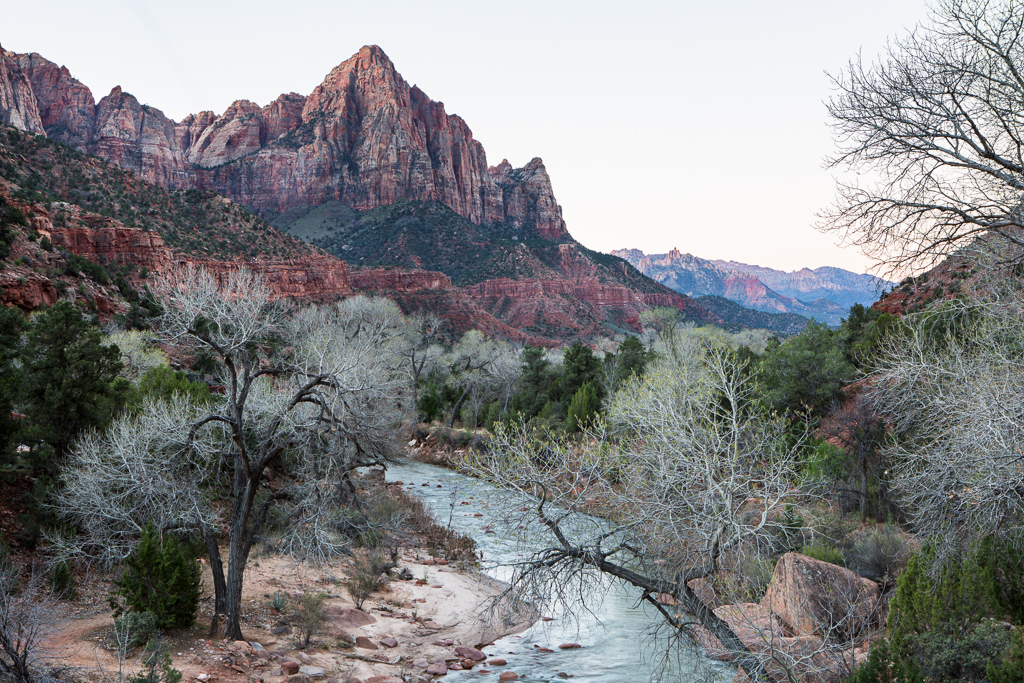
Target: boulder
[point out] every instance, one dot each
(312, 671)
(365, 643)
(289, 666)
(470, 653)
(438, 669)
(815, 598)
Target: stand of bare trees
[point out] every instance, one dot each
(309, 395)
(691, 477)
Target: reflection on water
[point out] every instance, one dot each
(614, 650)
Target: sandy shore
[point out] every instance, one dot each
(410, 625)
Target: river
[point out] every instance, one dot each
(614, 648)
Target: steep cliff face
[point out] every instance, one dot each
(139, 138)
(364, 136)
(66, 107)
(18, 105)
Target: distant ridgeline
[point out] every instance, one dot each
(824, 294)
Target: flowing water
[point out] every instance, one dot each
(612, 634)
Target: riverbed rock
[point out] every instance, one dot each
(438, 669)
(508, 676)
(365, 643)
(815, 598)
(497, 661)
(470, 653)
(569, 646)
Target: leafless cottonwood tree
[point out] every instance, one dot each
(934, 128)
(693, 481)
(310, 395)
(480, 364)
(951, 388)
(27, 618)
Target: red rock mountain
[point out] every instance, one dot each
(364, 137)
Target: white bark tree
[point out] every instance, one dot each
(309, 397)
(950, 386)
(934, 126)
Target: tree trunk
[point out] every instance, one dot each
(455, 410)
(233, 587)
(864, 489)
(219, 586)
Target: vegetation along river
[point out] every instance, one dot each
(614, 633)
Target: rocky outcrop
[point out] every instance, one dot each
(66, 106)
(139, 138)
(804, 626)
(18, 105)
(27, 291)
(104, 240)
(821, 599)
(398, 280)
(318, 278)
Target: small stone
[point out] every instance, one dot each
(365, 643)
(433, 626)
(304, 658)
(257, 647)
(281, 630)
(290, 667)
(438, 669)
(544, 649)
(196, 659)
(299, 678)
(467, 664)
(470, 653)
(239, 645)
(455, 666)
(389, 642)
(420, 663)
(497, 661)
(238, 668)
(508, 676)
(562, 674)
(312, 671)
(569, 646)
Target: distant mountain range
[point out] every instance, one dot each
(824, 294)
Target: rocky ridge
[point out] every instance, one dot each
(364, 136)
(822, 293)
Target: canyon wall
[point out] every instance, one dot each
(364, 136)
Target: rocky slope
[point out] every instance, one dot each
(823, 293)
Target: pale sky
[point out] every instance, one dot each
(697, 125)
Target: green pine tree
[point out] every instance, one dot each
(160, 578)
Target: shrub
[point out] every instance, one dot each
(583, 408)
(366, 578)
(156, 668)
(884, 666)
(62, 582)
(160, 578)
(311, 616)
(134, 629)
(278, 602)
(825, 553)
(880, 555)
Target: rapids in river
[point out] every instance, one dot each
(613, 632)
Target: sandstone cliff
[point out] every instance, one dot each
(364, 136)
(18, 105)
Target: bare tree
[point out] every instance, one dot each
(934, 127)
(311, 395)
(950, 386)
(422, 352)
(27, 618)
(694, 482)
(478, 363)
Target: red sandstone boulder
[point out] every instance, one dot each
(821, 599)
